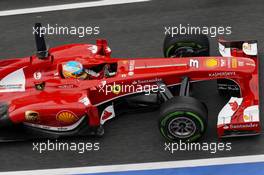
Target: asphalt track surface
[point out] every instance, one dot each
(133, 30)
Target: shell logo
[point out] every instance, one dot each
(211, 62)
(66, 117)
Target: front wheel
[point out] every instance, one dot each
(186, 46)
(183, 118)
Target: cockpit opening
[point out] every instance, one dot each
(74, 69)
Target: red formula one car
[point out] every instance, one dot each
(36, 95)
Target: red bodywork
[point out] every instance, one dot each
(62, 103)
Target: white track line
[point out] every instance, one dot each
(144, 166)
(66, 7)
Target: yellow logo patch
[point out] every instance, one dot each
(234, 63)
(211, 62)
(116, 89)
(246, 118)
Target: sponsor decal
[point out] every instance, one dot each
(51, 128)
(131, 67)
(130, 73)
(251, 114)
(66, 86)
(11, 86)
(13, 82)
(250, 64)
(250, 48)
(222, 63)
(85, 101)
(225, 127)
(246, 46)
(123, 75)
(233, 105)
(194, 63)
(116, 88)
(37, 75)
(222, 74)
(247, 118)
(226, 113)
(31, 116)
(56, 75)
(241, 63)
(149, 81)
(107, 114)
(125, 61)
(66, 117)
(134, 82)
(234, 63)
(229, 62)
(211, 62)
(93, 49)
(239, 126)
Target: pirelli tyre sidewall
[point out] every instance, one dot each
(183, 111)
(171, 44)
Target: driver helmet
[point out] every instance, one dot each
(72, 69)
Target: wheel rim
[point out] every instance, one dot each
(183, 52)
(181, 127)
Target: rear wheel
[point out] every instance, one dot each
(183, 118)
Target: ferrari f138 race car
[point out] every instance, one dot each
(36, 95)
